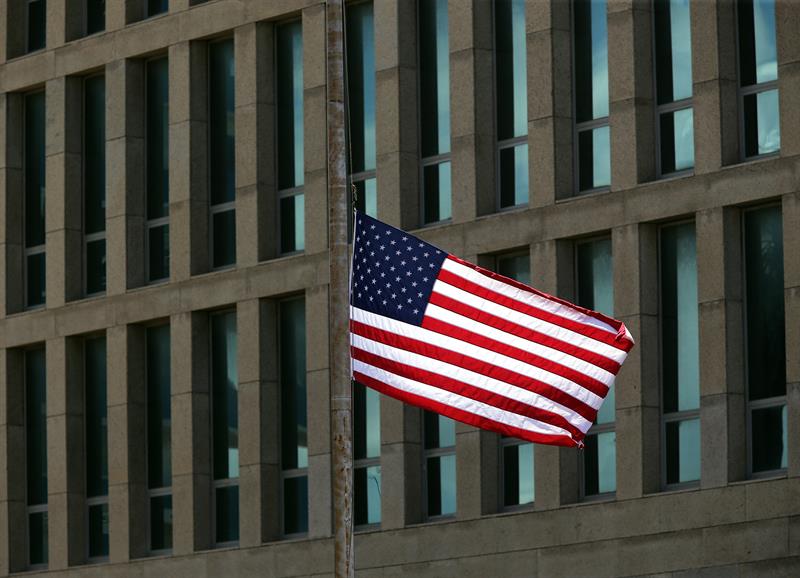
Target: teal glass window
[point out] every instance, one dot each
(294, 416)
(511, 86)
(758, 77)
(34, 160)
(96, 426)
(222, 153)
(157, 167)
(36, 454)
(439, 435)
(94, 184)
(590, 41)
(367, 454)
(434, 87)
(225, 425)
(289, 88)
(37, 24)
(680, 357)
(765, 338)
(595, 290)
(95, 16)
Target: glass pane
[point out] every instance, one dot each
(295, 505)
(156, 7)
(758, 60)
(95, 267)
(367, 487)
(769, 438)
(511, 69)
(290, 105)
(766, 346)
(762, 131)
(98, 531)
(677, 140)
(591, 59)
(221, 122)
(293, 224)
(680, 356)
(227, 514)
(36, 279)
(225, 391)
(367, 422)
(513, 176)
(594, 158)
(161, 523)
(36, 426)
(36, 24)
(292, 345)
(34, 169)
(434, 71)
(37, 538)
(673, 50)
(224, 234)
(441, 485)
(157, 138)
(517, 267)
(367, 199)
(159, 415)
(95, 16)
(96, 417)
(683, 451)
(600, 463)
(518, 474)
(158, 252)
(94, 155)
(436, 191)
(440, 431)
(361, 85)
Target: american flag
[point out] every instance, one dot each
(443, 334)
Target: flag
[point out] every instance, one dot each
(440, 333)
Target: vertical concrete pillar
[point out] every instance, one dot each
(396, 110)
(714, 78)
(11, 204)
(791, 279)
(720, 315)
(471, 109)
(56, 30)
(401, 464)
(318, 391)
(66, 462)
(635, 254)
(191, 435)
(127, 418)
(549, 56)
(315, 152)
(13, 507)
(787, 22)
(116, 14)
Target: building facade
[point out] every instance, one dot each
(164, 335)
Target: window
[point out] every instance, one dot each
(361, 104)
(434, 86)
(157, 168)
(367, 452)
(289, 87)
(159, 435)
(94, 184)
(221, 169)
(765, 339)
(96, 432)
(37, 24)
(34, 199)
(225, 427)
(95, 16)
(680, 360)
(595, 290)
(36, 454)
(673, 59)
(511, 84)
(155, 7)
(593, 148)
(760, 132)
(439, 454)
(516, 455)
(294, 422)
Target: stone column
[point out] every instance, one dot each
(791, 279)
(12, 195)
(13, 506)
(56, 31)
(787, 23)
(401, 464)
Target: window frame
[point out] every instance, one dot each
(38, 249)
(38, 508)
(437, 452)
(100, 235)
(365, 464)
(27, 44)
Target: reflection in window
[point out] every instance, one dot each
(765, 338)
(159, 431)
(225, 426)
(294, 421)
(222, 152)
(439, 434)
(157, 172)
(680, 386)
(34, 160)
(434, 85)
(36, 454)
(94, 184)
(595, 290)
(96, 426)
(758, 77)
(289, 88)
(367, 453)
(37, 24)
(512, 101)
(673, 55)
(590, 37)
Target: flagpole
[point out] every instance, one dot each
(338, 206)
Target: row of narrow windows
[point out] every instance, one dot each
(680, 433)
(674, 126)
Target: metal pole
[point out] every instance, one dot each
(341, 391)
